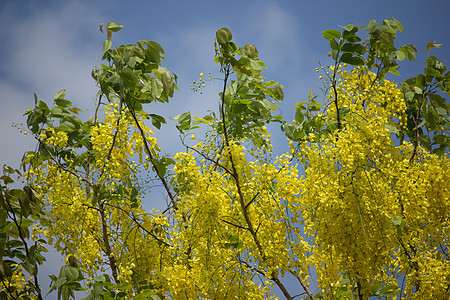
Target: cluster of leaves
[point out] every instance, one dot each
(20, 208)
(244, 103)
(428, 110)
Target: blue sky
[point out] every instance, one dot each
(47, 46)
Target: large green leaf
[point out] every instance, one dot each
(71, 273)
(223, 36)
(157, 87)
(351, 60)
(106, 46)
(331, 34)
(251, 51)
(60, 95)
(157, 120)
(114, 27)
(371, 26)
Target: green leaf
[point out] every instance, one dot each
(26, 223)
(334, 54)
(60, 282)
(331, 34)
(409, 51)
(56, 112)
(6, 179)
(157, 120)
(63, 102)
(278, 93)
(157, 87)
(334, 45)
(400, 55)
(3, 216)
(184, 121)
(431, 44)
(299, 116)
(25, 205)
(391, 128)
(396, 221)
(168, 84)
(129, 78)
(441, 111)
(398, 25)
(421, 124)
(30, 266)
(348, 27)
(71, 273)
(357, 49)
(74, 110)
(223, 36)
(371, 27)
(425, 141)
(124, 286)
(60, 95)
(147, 294)
(351, 60)
(251, 51)
(417, 90)
(106, 46)
(390, 290)
(114, 27)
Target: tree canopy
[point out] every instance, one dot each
(359, 204)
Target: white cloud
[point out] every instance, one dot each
(277, 34)
(52, 50)
(47, 50)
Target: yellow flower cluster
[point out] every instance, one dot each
(16, 285)
(83, 211)
(211, 215)
(358, 185)
(54, 138)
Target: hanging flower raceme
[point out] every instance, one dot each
(361, 193)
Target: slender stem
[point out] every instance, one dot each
(108, 252)
(133, 218)
(64, 168)
(416, 124)
(281, 286)
(150, 154)
(359, 287)
(304, 286)
(7, 286)
(88, 158)
(113, 141)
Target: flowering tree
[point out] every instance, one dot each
(359, 204)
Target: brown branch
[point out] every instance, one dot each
(416, 123)
(304, 286)
(113, 142)
(108, 252)
(149, 152)
(88, 158)
(216, 163)
(232, 224)
(7, 285)
(62, 167)
(133, 218)
(281, 286)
